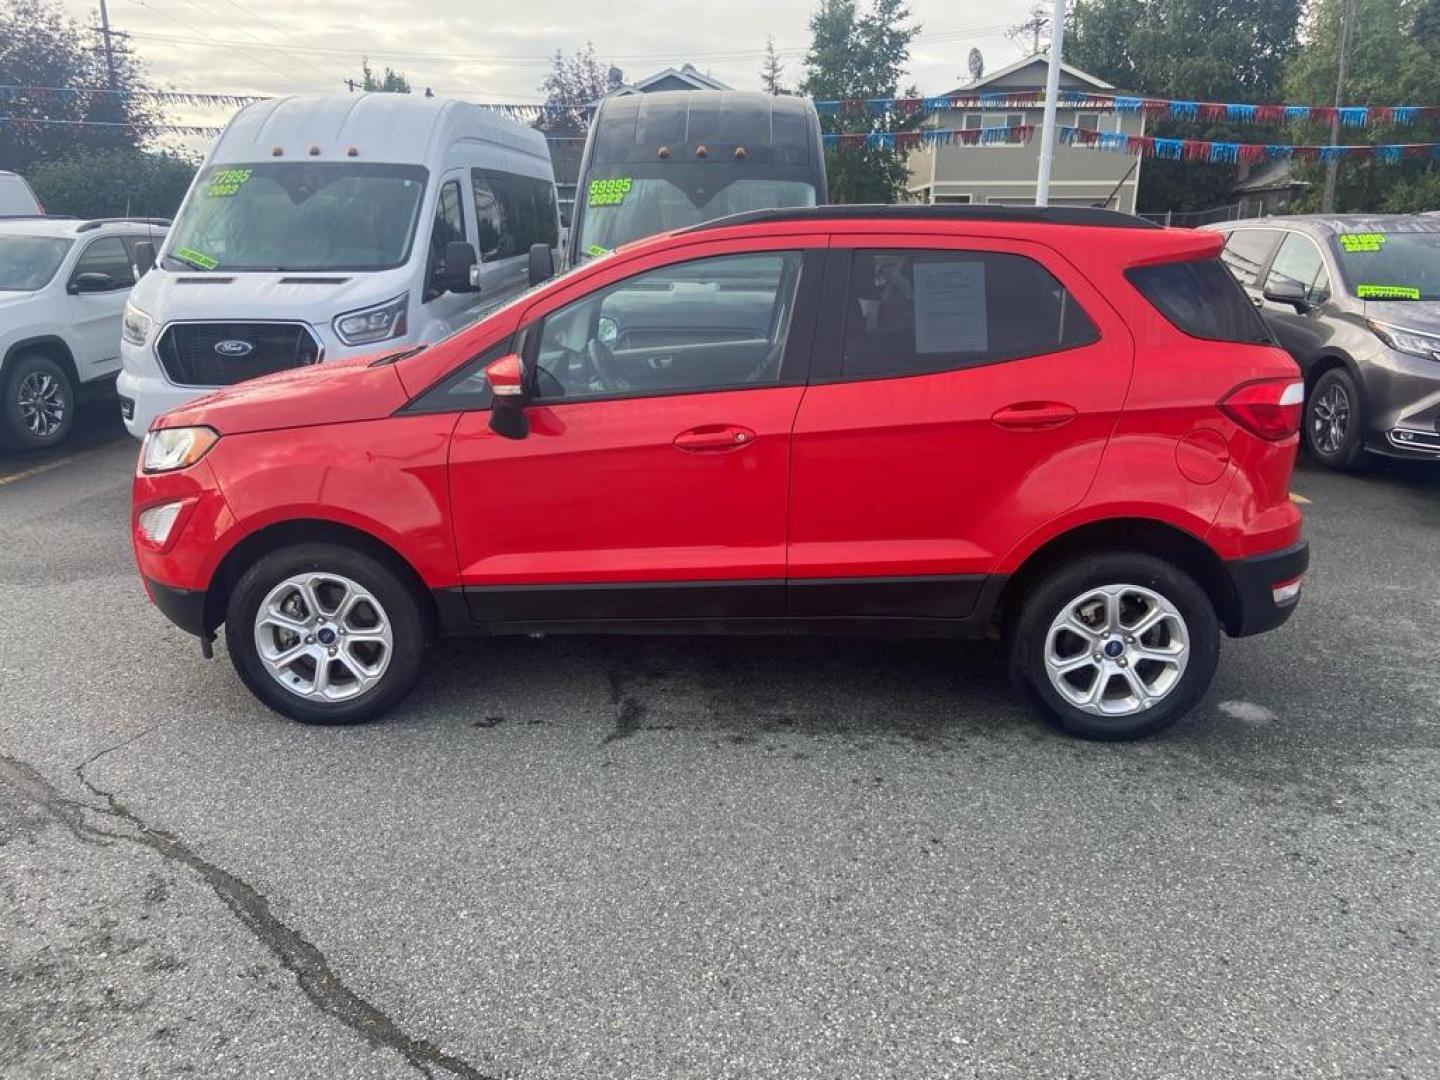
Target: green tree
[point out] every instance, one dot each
(390, 82)
(855, 55)
(771, 69)
(40, 46)
(1191, 50)
(1393, 54)
(113, 183)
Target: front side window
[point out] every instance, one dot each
(298, 216)
(28, 263)
(1246, 251)
(449, 228)
(913, 312)
(1299, 260)
(514, 212)
(710, 324)
(109, 257)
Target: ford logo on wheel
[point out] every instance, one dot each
(234, 347)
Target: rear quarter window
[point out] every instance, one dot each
(1200, 298)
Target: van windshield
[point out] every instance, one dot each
(298, 216)
(1391, 265)
(618, 209)
(28, 263)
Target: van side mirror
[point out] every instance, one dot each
(510, 393)
(144, 257)
(1287, 291)
(460, 259)
(91, 283)
(542, 264)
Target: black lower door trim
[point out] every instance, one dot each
(627, 600)
(928, 597)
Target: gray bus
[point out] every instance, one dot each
(655, 162)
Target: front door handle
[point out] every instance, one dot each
(1033, 415)
(714, 438)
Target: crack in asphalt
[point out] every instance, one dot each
(326, 990)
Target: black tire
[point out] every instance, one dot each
(1043, 604)
(1348, 454)
(397, 598)
(33, 387)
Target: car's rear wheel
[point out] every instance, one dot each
(325, 634)
(1335, 421)
(38, 403)
(1115, 646)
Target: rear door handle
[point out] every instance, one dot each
(1034, 415)
(714, 438)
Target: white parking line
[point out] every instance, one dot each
(38, 469)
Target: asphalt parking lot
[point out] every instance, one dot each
(573, 858)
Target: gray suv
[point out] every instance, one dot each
(1356, 300)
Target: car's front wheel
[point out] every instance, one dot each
(37, 402)
(325, 634)
(1334, 421)
(1115, 646)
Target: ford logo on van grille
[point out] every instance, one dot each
(233, 347)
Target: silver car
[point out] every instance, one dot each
(1356, 300)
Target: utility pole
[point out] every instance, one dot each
(1052, 94)
(1347, 30)
(109, 49)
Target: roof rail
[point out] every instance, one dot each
(38, 217)
(1040, 215)
(95, 223)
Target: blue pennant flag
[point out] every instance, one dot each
(1129, 104)
(1169, 148)
(1224, 151)
(1353, 116)
(1405, 114)
(1244, 114)
(1184, 110)
(1297, 112)
(1390, 153)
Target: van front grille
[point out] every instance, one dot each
(221, 354)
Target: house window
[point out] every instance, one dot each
(971, 121)
(953, 199)
(1087, 121)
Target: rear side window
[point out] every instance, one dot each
(912, 312)
(1201, 299)
(1246, 251)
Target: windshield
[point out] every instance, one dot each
(299, 216)
(619, 209)
(27, 263)
(1391, 266)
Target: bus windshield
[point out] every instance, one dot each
(618, 210)
(299, 216)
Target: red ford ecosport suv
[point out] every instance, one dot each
(1064, 426)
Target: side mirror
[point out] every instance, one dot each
(1287, 291)
(460, 259)
(92, 282)
(542, 264)
(510, 394)
(144, 257)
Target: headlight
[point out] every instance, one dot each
(135, 326)
(169, 449)
(1406, 341)
(368, 325)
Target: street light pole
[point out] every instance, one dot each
(1052, 94)
(1347, 29)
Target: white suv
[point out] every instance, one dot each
(63, 285)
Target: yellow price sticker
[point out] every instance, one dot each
(609, 192)
(1356, 242)
(226, 183)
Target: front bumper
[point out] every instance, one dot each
(1402, 405)
(1254, 582)
(144, 397)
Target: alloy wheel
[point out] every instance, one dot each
(1330, 419)
(41, 399)
(1116, 650)
(323, 637)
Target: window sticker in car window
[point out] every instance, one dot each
(226, 183)
(1365, 241)
(609, 192)
(1387, 292)
(596, 250)
(197, 259)
(950, 307)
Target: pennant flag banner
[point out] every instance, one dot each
(1114, 142)
(1235, 113)
(95, 95)
(31, 123)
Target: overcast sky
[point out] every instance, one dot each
(497, 51)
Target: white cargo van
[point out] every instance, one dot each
(329, 226)
(16, 198)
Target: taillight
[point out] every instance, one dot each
(1269, 408)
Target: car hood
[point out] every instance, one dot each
(309, 297)
(1422, 315)
(338, 392)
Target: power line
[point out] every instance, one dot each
(207, 38)
(247, 31)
